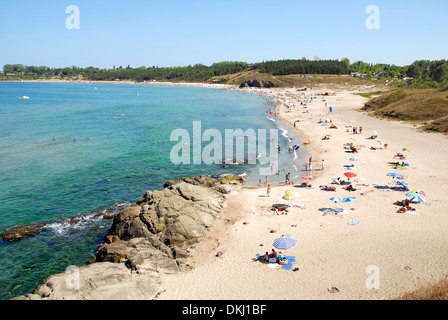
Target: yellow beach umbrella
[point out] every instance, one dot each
(289, 197)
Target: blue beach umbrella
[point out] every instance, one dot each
(348, 199)
(417, 199)
(336, 199)
(395, 175)
(284, 243)
(329, 210)
(403, 185)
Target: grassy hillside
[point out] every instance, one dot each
(428, 107)
(300, 81)
(438, 291)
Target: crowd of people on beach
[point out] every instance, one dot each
(288, 100)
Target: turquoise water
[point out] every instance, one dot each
(110, 146)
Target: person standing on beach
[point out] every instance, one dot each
(266, 182)
(323, 164)
(268, 191)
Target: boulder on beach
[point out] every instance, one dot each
(148, 239)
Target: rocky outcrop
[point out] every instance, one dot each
(148, 239)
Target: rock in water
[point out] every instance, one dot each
(150, 238)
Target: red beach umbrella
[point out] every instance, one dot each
(307, 178)
(350, 174)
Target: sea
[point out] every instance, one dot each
(70, 151)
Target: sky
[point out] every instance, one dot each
(185, 32)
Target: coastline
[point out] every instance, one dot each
(334, 259)
(165, 83)
(324, 259)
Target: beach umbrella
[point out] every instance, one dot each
(405, 149)
(403, 185)
(291, 192)
(354, 159)
(350, 174)
(307, 177)
(284, 243)
(416, 193)
(289, 197)
(420, 192)
(336, 199)
(394, 175)
(348, 199)
(412, 194)
(329, 210)
(417, 199)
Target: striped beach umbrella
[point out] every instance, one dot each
(348, 199)
(336, 199)
(417, 199)
(284, 243)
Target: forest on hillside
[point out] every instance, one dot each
(421, 73)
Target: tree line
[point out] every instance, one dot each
(303, 66)
(425, 70)
(197, 72)
(422, 72)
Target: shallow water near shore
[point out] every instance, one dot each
(76, 149)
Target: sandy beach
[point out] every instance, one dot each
(397, 252)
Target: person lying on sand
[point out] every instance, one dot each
(327, 137)
(305, 185)
(327, 188)
(403, 203)
(406, 209)
(281, 210)
(350, 188)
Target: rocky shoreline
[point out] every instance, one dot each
(147, 240)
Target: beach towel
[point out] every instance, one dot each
(291, 261)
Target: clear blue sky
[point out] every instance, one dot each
(184, 32)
